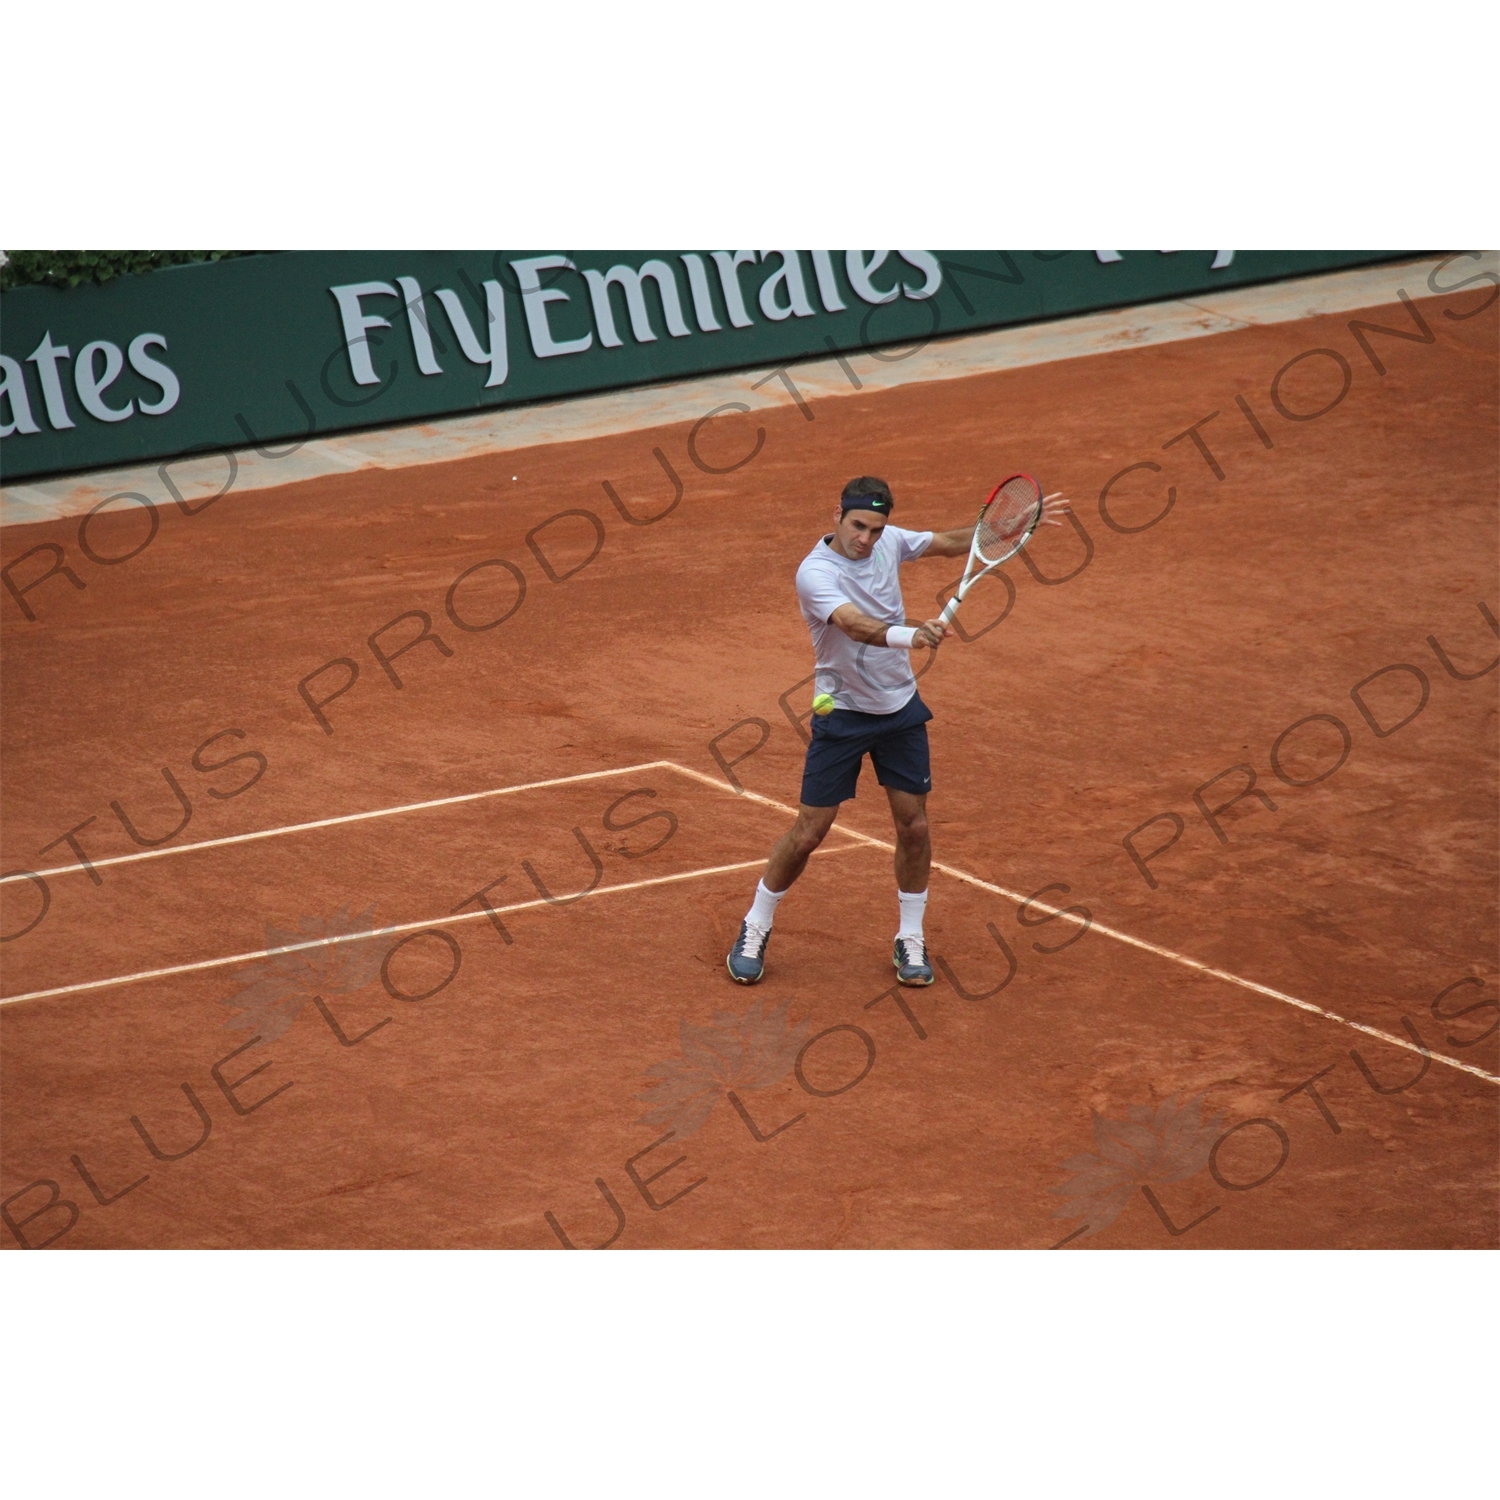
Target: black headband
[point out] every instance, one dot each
(878, 503)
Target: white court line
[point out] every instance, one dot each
(379, 812)
(862, 838)
(446, 920)
(1134, 942)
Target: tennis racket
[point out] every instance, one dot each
(1005, 525)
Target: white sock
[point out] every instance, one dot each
(913, 904)
(763, 911)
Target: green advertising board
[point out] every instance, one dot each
(275, 347)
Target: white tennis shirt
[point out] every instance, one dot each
(870, 679)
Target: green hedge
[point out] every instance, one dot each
(72, 267)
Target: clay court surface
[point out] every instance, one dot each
(1097, 703)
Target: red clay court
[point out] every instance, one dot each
(1288, 1013)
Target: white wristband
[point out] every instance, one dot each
(902, 637)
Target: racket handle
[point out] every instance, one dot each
(950, 609)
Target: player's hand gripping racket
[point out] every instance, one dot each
(1009, 517)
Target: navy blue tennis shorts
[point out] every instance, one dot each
(896, 743)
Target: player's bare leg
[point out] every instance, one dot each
(795, 847)
(746, 962)
(913, 863)
(913, 840)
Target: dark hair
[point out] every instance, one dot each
(867, 484)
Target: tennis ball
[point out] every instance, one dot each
(823, 704)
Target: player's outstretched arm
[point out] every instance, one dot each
(956, 543)
(950, 543)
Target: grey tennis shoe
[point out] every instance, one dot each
(911, 961)
(747, 959)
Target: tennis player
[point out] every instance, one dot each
(849, 590)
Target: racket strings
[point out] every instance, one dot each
(1009, 517)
